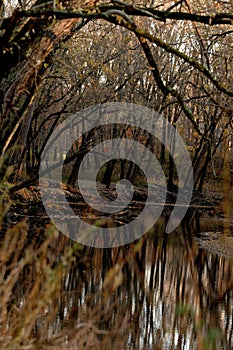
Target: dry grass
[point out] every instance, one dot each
(31, 284)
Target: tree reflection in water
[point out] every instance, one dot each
(161, 292)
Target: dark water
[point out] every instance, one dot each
(161, 292)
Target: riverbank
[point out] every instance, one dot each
(206, 206)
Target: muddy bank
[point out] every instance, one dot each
(220, 243)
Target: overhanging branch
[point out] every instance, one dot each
(168, 48)
(165, 88)
(98, 11)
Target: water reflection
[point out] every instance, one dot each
(161, 292)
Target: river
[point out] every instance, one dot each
(161, 292)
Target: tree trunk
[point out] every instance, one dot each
(25, 54)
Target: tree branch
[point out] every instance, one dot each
(168, 48)
(98, 12)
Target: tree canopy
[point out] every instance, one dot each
(58, 57)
